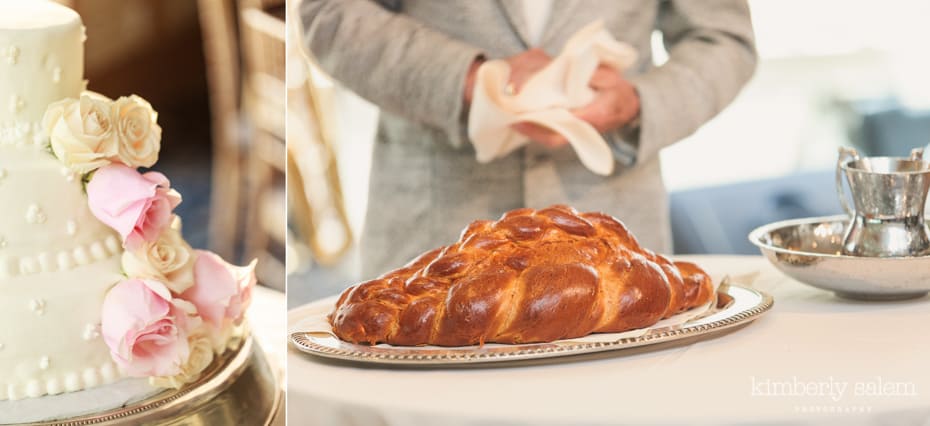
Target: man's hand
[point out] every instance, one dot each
(616, 103)
(522, 67)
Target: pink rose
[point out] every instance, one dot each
(145, 329)
(221, 292)
(136, 205)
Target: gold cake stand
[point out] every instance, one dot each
(240, 389)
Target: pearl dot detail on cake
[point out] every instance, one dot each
(81, 256)
(16, 104)
(56, 75)
(71, 227)
(33, 389)
(64, 260)
(98, 251)
(28, 265)
(53, 386)
(91, 332)
(2, 242)
(35, 215)
(72, 382)
(46, 262)
(109, 373)
(44, 363)
(91, 378)
(112, 244)
(38, 136)
(11, 53)
(37, 306)
(68, 174)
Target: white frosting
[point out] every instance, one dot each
(35, 14)
(57, 261)
(51, 343)
(40, 42)
(44, 209)
(67, 405)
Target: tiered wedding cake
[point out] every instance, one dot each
(57, 261)
(96, 283)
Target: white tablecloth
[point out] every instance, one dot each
(268, 324)
(813, 358)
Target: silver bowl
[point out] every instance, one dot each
(810, 251)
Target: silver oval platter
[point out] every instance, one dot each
(735, 306)
(810, 251)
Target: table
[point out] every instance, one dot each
(813, 358)
(268, 324)
(269, 330)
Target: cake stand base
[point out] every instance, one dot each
(240, 389)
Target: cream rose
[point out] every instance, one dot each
(81, 132)
(229, 337)
(138, 134)
(169, 260)
(201, 356)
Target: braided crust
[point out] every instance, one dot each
(532, 276)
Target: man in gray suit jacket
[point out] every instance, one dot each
(414, 59)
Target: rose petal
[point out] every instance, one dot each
(139, 323)
(221, 291)
(137, 206)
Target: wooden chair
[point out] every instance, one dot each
(244, 46)
(262, 32)
(221, 52)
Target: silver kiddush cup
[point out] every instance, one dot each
(889, 195)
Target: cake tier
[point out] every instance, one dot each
(57, 262)
(41, 61)
(45, 213)
(52, 343)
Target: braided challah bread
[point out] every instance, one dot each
(532, 276)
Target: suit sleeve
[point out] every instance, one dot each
(391, 60)
(712, 55)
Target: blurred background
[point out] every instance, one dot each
(831, 73)
(214, 71)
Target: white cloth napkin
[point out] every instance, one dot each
(546, 99)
